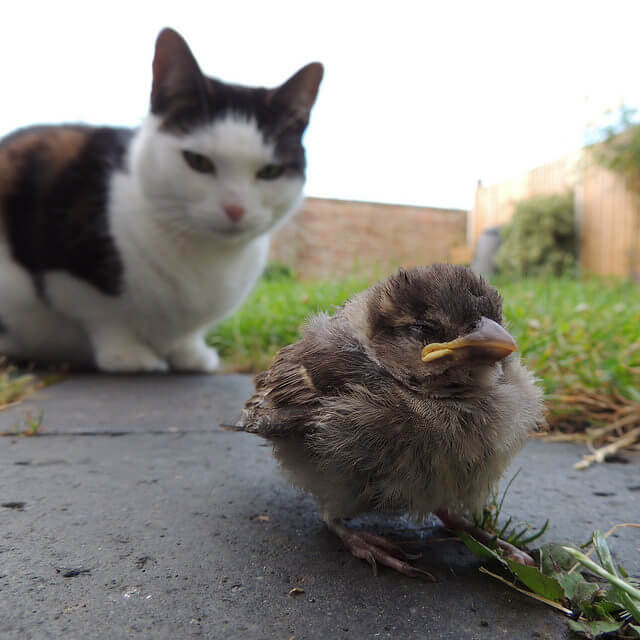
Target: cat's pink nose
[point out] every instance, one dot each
(234, 211)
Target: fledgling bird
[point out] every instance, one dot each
(409, 400)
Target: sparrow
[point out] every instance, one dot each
(410, 399)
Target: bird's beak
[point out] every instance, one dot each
(489, 341)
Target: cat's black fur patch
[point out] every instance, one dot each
(217, 99)
(58, 221)
(185, 99)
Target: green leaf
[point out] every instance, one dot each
(576, 588)
(601, 610)
(617, 595)
(536, 581)
(632, 605)
(555, 558)
(593, 629)
(615, 580)
(585, 593)
(613, 595)
(600, 543)
(569, 582)
(481, 550)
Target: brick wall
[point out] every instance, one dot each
(339, 237)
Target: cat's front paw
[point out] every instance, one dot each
(194, 356)
(128, 358)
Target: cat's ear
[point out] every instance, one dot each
(176, 74)
(299, 92)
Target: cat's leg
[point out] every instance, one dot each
(109, 322)
(118, 350)
(37, 334)
(191, 353)
(30, 330)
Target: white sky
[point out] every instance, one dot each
(419, 100)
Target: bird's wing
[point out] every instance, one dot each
(303, 375)
(284, 397)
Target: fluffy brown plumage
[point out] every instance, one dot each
(408, 400)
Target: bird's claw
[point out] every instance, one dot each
(455, 522)
(378, 550)
(511, 552)
(383, 543)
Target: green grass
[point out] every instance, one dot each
(578, 335)
(13, 386)
(575, 334)
(272, 317)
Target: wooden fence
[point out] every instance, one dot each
(608, 223)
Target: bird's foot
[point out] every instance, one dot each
(378, 550)
(456, 522)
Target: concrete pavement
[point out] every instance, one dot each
(169, 527)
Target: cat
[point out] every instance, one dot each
(120, 248)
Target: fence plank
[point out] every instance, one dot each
(609, 226)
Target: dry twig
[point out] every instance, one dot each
(606, 422)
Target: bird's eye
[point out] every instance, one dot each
(270, 172)
(198, 162)
(425, 330)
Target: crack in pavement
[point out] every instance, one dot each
(50, 434)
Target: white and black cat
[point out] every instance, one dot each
(123, 247)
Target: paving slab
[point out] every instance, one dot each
(95, 403)
(175, 528)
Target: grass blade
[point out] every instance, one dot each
(603, 573)
(536, 535)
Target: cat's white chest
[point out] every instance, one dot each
(173, 291)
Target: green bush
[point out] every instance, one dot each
(541, 238)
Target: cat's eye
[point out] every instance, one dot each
(270, 172)
(198, 162)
